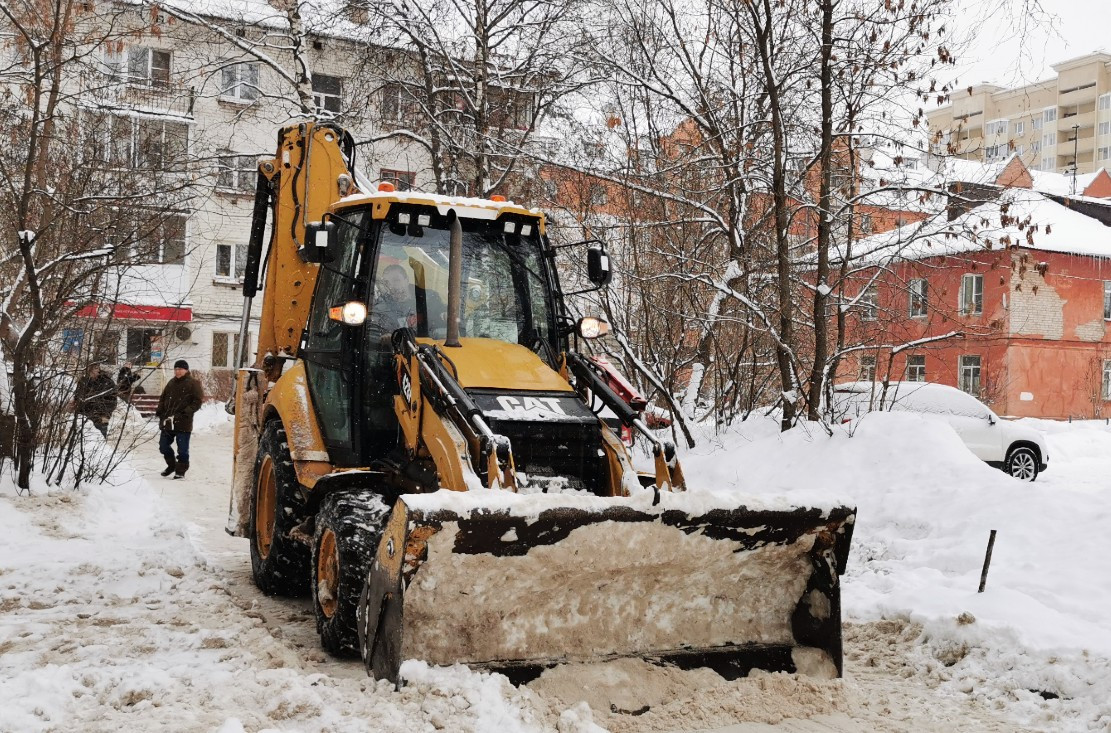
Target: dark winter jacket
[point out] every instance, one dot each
(180, 399)
(126, 382)
(96, 397)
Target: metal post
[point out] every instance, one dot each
(987, 562)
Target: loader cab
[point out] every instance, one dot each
(398, 267)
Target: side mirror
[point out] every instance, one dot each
(598, 266)
(592, 328)
(320, 241)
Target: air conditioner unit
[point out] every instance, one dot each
(183, 333)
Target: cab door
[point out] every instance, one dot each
(329, 347)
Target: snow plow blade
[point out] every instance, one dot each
(518, 584)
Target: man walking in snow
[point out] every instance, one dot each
(181, 398)
(96, 397)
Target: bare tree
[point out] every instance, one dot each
(471, 82)
(90, 194)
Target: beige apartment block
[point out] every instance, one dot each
(1061, 124)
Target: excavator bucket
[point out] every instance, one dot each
(517, 584)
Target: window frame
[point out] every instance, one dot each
(402, 180)
(235, 92)
(976, 308)
(237, 262)
(970, 375)
(866, 368)
(918, 291)
(236, 173)
(322, 98)
(916, 372)
(1106, 379)
(1107, 300)
(869, 303)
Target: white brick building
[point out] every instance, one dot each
(168, 80)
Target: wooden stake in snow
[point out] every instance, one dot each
(987, 562)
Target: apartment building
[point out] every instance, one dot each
(171, 88)
(1060, 125)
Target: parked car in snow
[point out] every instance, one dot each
(1018, 450)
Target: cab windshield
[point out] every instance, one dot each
(505, 286)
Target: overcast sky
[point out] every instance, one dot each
(998, 53)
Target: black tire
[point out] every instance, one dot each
(348, 527)
(1022, 463)
(279, 564)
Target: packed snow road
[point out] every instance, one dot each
(129, 607)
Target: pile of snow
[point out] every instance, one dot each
(926, 507)
(211, 416)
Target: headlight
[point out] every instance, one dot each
(351, 313)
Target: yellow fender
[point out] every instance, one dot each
(290, 401)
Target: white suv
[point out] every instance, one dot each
(1018, 450)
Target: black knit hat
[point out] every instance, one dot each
(181, 364)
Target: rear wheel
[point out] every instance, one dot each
(1022, 464)
(348, 527)
(279, 564)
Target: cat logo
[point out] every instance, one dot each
(531, 404)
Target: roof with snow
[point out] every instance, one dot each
(1019, 217)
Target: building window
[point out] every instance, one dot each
(398, 104)
(1104, 153)
(1107, 379)
(598, 195)
(236, 172)
(994, 153)
(160, 144)
(225, 349)
(1036, 147)
(1047, 164)
(1049, 114)
(972, 295)
(970, 375)
(868, 300)
(1105, 128)
(327, 93)
(144, 345)
(402, 180)
(106, 346)
(1105, 101)
(917, 298)
(156, 241)
(868, 368)
(231, 261)
(1107, 300)
(866, 223)
(148, 67)
(509, 108)
(1049, 139)
(996, 127)
(1020, 129)
(916, 368)
(1036, 124)
(239, 82)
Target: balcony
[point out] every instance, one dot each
(1077, 95)
(1084, 119)
(142, 96)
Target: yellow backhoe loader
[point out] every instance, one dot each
(419, 446)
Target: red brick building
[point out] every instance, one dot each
(1024, 278)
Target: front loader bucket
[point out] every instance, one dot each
(518, 584)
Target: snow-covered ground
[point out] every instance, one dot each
(126, 606)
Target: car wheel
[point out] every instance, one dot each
(1022, 464)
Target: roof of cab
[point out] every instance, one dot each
(465, 206)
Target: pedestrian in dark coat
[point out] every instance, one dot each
(95, 397)
(127, 382)
(181, 397)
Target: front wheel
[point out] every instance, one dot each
(279, 564)
(1022, 464)
(348, 527)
